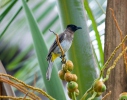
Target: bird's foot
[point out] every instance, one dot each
(63, 59)
(62, 56)
(63, 62)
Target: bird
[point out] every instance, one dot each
(65, 40)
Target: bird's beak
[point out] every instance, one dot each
(79, 28)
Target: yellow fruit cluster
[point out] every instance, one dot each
(65, 74)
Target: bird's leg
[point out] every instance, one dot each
(63, 62)
(63, 59)
(62, 56)
(61, 49)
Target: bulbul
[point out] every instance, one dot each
(65, 40)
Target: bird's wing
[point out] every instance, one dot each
(54, 45)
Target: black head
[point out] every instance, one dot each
(73, 27)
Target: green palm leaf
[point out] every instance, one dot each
(41, 52)
(81, 50)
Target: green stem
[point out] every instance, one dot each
(86, 93)
(93, 96)
(114, 64)
(73, 96)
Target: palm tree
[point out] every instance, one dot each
(17, 50)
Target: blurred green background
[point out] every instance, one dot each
(17, 52)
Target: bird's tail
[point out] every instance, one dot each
(49, 70)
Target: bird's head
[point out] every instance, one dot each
(73, 27)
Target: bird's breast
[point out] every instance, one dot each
(65, 45)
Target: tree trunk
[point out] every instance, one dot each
(117, 82)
